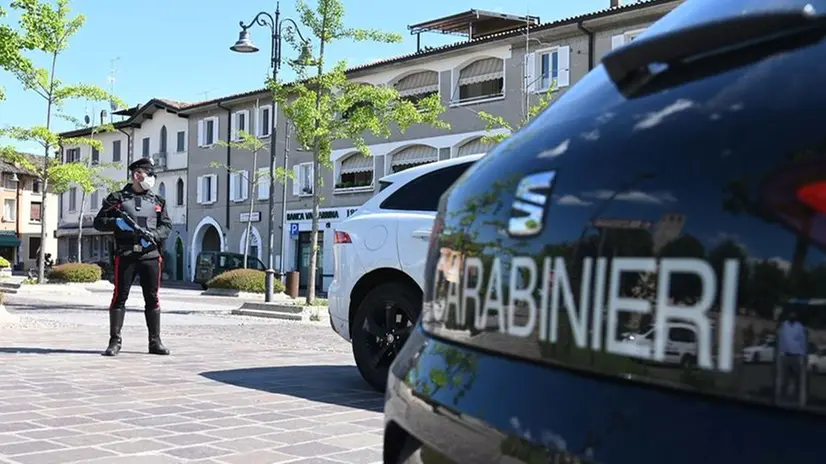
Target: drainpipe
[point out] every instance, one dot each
(128, 150)
(229, 155)
(591, 44)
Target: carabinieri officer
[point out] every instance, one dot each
(140, 222)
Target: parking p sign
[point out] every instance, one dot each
(293, 230)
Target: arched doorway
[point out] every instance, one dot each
(179, 259)
(255, 243)
(207, 236)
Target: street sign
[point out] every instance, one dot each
(293, 230)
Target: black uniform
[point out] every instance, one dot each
(135, 254)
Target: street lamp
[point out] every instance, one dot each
(245, 45)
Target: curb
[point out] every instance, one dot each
(281, 311)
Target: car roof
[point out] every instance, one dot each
(409, 174)
(399, 179)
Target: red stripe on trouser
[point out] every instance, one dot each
(158, 287)
(117, 288)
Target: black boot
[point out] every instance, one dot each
(115, 324)
(153, 324)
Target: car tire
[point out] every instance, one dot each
(373, 354)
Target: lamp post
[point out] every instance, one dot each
(245, 45)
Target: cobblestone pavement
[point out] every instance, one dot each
(234, 390)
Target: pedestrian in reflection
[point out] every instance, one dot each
(793, 343)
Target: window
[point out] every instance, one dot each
(180, 191)
(621, 39)
(239, 185)
(145, 150)
(95, 202)
(9, 210)
(207, 131)
(34, 247)
(548, 69)
(116, 151)
(681, 334)
(356, 171)
(162, 190)
(303, 182)
(35, 186)
(8, 181)
(424, 193)
(264, 121)
(263, 183)
(482, 79)
(207, 189)
(418, 86)
(35, 211)
(95, 156)
(240, 121)
(163, 140)
(181, 145)
(72, 155)
(72, 199)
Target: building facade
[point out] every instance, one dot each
(154, 130)
(22, 219)
(503, 74)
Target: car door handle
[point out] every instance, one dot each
(423, 234)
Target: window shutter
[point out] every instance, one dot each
(263, 183)
(233, 182)
(200, 187)
(530, 72)
(564, 63)
(234, 126)
(215, 131)
(297, 180)
(214, 197)
(201, 133)
(617, 41)
(245, 185)
(246, 127)
(311, 177)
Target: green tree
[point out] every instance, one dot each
(493, 122)
(247, 142)
(327, 107)
(45, 28)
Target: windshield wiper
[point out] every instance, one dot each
(652, 64)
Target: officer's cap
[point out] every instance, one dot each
(143, 163)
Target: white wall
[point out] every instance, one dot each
(169, 180)
(152, 128)
(118, 174)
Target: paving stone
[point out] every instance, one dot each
(32, 446)
(355, 441)
(309, 449)
(197, 452)
(270, 457)
(136, 446)
(361, 456)
(83, 455)
(230, 393)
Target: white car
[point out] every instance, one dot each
(680, 346)
(379, 256)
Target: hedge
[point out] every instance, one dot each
(244, 280)
(75, 272)
(4, 263)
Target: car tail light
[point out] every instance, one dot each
(342, 237)
(813, 195)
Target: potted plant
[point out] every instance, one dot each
(5, 267)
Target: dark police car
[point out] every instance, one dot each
(593, 281)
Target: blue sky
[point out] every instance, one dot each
(179, 49)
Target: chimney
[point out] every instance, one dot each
(615, 3)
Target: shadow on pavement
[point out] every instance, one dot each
(332, 384)
(27, 350)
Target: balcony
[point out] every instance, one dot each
(160, 160)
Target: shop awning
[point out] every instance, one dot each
(8, 238)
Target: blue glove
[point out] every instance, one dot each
(122, 225)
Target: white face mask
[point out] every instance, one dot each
(148, 182)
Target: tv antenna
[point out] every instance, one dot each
(112, 79)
